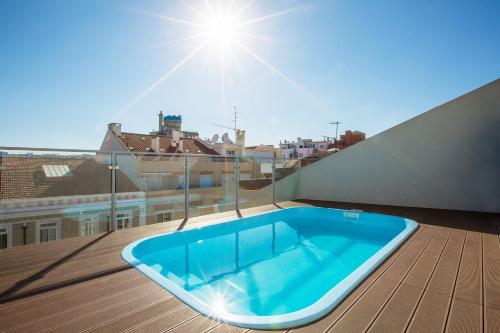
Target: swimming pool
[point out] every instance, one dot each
(274, 270)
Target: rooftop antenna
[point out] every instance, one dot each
(235, 127)
(336, 123)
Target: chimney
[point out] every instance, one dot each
(116, 128)
(176, 137)
(155, 144)
(160, 122)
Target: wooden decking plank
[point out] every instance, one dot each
(368, 305)
(420, 274)
(431, 313)
(89, 310)
(395, 316)
(465, 317)
(158, 318)
(76, 256)
(396, 313)
(102, 317)
(400, 267)
(469, 281)
(350, 300)
(491, 320)
(196, 324)
(444, 277)
(69, 270)
(375, 298)
(32, 302)
(125, 287)
(442, 283)
(225, 328)
(491, 269)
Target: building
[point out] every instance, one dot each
(261, 152)
(45, 198)
(167, 124)
(226, 146)
(161, 177)
(349, 138)
(303, 148)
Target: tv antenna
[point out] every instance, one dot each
(235, 128)
(336, 123)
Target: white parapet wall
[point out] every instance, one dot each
(447, 158)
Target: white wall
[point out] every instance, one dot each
(448, 157)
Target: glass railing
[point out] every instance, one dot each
(255, 182)
(54, 194)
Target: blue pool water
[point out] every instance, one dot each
(273, 270)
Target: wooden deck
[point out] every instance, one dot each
(446, 277)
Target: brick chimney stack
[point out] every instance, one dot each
(160, 122)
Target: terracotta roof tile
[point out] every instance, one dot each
(24, 177)
(142, 143)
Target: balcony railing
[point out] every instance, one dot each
(51, 194)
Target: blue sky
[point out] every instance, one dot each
(67, 68)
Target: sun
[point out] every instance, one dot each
(226, 29)
(221, 30)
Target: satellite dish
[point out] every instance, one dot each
(225, 137)
(215, 138)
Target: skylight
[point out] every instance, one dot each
(56, 170)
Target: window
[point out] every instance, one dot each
(227, 178)
(181, 181)
(47, 231)
(246, 176)
(163, 217)
(123, 220)
(206, 181)
(5, 236)
(56, 171)
(89, 225)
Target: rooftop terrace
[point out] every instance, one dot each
(444, 278)
(66, 215)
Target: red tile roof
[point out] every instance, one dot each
(24, 177)
(136, 142)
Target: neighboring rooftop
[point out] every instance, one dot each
(40, 177)
(136, 142)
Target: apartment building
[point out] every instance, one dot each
(45, 198)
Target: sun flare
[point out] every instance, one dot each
(228, 30)
(221, 30)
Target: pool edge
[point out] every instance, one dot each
(311, 313)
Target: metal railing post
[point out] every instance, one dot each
(237, 179)
(113, 192)
(297, 188)
(274, 180)
(186, 186)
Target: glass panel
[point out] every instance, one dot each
(287, 179)
(255, 182)
(63, 187)
(148, 185)
(3, 240)
(212, 186)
